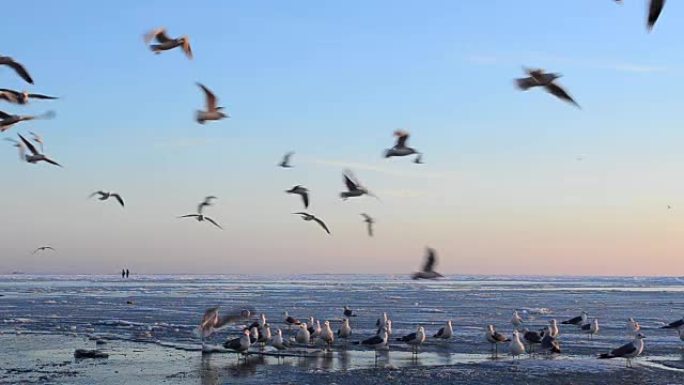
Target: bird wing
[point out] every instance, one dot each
(372, 341)
(186, 47)
(624, 350)
(350, 181)
(525, 83)
(118, 198)
(654, 10)
(302, 214)
(189, 215)
(305, 198)
(320, 222)
(96, 193)
(41, 96)
(572, 321)
(366, 217)
(213, 222)
(286, 157)
(4, 115)
(430, 260)
(402, 136)
(555, 90)
(159, 34)
(51, 161)
(439, 332)
(234, 315)
(29, 145)
(18, 68)
(370, 229)
(211, 98)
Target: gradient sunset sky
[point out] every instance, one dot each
(513, 182)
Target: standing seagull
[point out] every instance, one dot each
(629, 351)
(354, 188)
(301, 191)
(532, 339)
(445, 332)
(550, 342)
(369, 223)
(43, 248)
(400, 148)
(428, 272)
(495, 338)
(239, 345)
(285, 163)
(17, 97)
(345, 330)
(414, 339)
(166, 43)
(8, 120)
(591, 328)
(103, 196)
(516, 320)
(310, 217)
(18, 68)
(516, 348)
(35, 156)
(213, 112)
(539, 78)
(577, 321)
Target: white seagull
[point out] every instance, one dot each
(212, 320)
(104, 195)
(277, 340)
(628, 351)
(213, 112)
(327, 334)
(345, 330)
(239, 345)
(516, 347)
(414, 339)
(445, 332)
(553, 330)
(516, 320)
(303, 336)
(591, 328)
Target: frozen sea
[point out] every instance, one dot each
(148, 324)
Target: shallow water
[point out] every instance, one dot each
(164, 311)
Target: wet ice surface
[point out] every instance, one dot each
(156, 330)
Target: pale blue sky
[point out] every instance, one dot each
(501, 190)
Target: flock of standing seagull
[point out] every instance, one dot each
(259, 332)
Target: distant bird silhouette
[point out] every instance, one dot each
(205, 203)
(16, 97)
(285, 163)
(400, 148)
(202, 218)
(539, 78)
(310, 217)
(354, 188)
(104, 195)
(166, 43)
(35, 155)
(301, 191)
(213, 112)
(8, 120)
(369, 223)
(17, 67)
(43, 248)
(428, 272)
(419, 159)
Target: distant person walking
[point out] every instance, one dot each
(123, 273)
(127, 273)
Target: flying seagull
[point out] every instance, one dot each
(18, 68)
(17, 97)
(428, 272)
(7, 120)
(212, 320)
(213, 112)
(201, 218)
(309, 217)
(285, 163)
(166, 43)
(400, 148)
(104, 195)
(35, 155)
(354, 188)
(205, 203)
(301, 191)
(654, 9)
(369, 222)
(43, 248)
(539, 78)
(629, 351)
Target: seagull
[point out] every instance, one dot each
(327, 334)
(400, 148)
(35, 155)
(345, 330)
(539, 78)
(213, 112)
(239, 345)
(285, 163)
(369, 223)
(380, 322)
(201, 218)
(629, 351)
(591, 328)
(377, 342)
(106, 195)
(348, 312)
(354, 188)
(532, 339)
(414, 339)
(289, 320)
(310, 217)
(253, 334)
(166, 43)
(516, 320)
(633, 326)
(17, 67)
(428, 272)
(301, 191)
(577, 321)
(277, 340)
(495, 338)
(679, 324)
(212, 321)
(264, 335)
(445, 332)
(654, 9)
(317, 330)
(516, 347)
(8, 120)
(553, 330)
(550, 342)
(303, 336)
(43, 248)
(205, 203)
(16, 97)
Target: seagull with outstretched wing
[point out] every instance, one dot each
(310, 217)
(213, 111)
(104, 195)
(428, 271)
(165, 43)
(17, 67)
